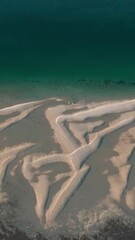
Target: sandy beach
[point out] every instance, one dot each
(66, 167)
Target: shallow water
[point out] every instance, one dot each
(67, 47)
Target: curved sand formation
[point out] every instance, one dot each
(124, 149)
(130, 198)
(70, 130)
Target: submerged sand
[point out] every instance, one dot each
(59, 160)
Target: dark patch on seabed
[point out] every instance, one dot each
(115, 229)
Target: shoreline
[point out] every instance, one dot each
(18, 92)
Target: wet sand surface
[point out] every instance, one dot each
(42, 182)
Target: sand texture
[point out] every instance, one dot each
(77, 133)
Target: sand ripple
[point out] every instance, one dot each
(79, 135)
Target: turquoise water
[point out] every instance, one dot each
(85, 45)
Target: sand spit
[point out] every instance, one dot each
(130, 198)
(19, 107)
(78, 141)
(7, 156)
(124, 149)
(24, 109)
(25, 106)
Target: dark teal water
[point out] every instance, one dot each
(56, 44)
